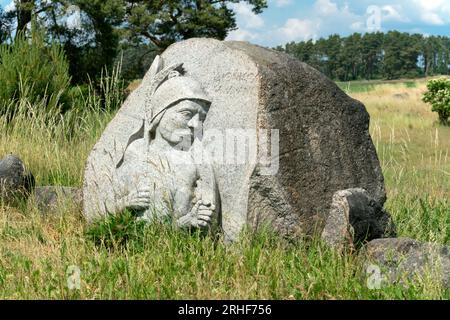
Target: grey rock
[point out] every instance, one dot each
(324, 143)
(16, 181)
(403, 259)
(355, 218)
(49, 197)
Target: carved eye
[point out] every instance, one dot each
(186, 113)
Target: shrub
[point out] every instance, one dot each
(116, 230)
(438, 95)
(32, 70)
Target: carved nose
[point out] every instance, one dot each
(194, 122)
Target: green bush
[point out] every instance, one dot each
(438, 95)
(116, 231)
(32, 70)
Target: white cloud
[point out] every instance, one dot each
(245, 17)
(242, 35)
(432, 18)
(297, 29)
(336, 19)
(392, 13)
(434, 12)
(324, 18)
(283, 3)
(10, 7)
(249, 23)
(325, 7)
(357, 26)
(431, 5)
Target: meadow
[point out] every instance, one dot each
(121, 259)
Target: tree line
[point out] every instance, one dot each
(134, 31)
(378, 55)
(93, 32)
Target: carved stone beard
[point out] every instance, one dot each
(163, 139)
(181, 139)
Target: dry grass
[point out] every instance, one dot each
(414, 152)
(411, 144)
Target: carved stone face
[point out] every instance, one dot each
(180, 121)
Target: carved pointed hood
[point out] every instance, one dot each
(168, 87)
(177, 88)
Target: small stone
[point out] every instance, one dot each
(404, 258)
(48, 198)
(15, 180)
(355, 217)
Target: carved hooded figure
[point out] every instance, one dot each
(176, 89)
(158, 175)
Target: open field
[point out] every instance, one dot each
(362, 86)
(414, 153)
(157, 263)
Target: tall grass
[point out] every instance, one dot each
(157, 262)
(53, 145)
(414, 153)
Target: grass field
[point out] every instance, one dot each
(155, 262)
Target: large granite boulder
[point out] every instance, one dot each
(319, 142)
(16, 181)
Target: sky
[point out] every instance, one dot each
(293, 20)
(297, 20)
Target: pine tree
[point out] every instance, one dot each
(165, 22)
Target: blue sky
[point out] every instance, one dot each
(295, 20)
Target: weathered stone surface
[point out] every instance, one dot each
(15, 180)
(324, 143)
(403, 259)
(354, 218)
(49, 197)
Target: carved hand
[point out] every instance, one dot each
(137, 200)
(199, 217)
